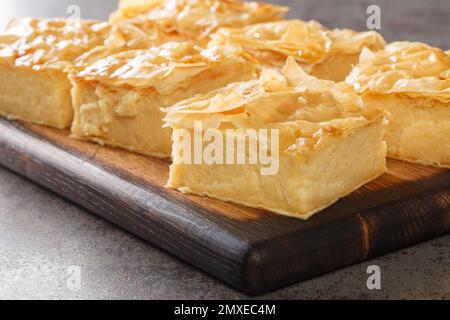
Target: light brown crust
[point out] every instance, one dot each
(50, 43)
(197, 19)
(308, 42)
(409, 68)
(164, 69)
(287, 100)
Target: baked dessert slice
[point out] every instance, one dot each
(326, 54)
(286, 142)
(195, 20)
(36, 57)
(412, 82)
(117, 100)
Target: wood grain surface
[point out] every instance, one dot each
(252, 250)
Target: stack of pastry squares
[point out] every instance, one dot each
(331, 95)
(39, 55)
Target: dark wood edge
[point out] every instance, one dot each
(44, 163)
(262, 271)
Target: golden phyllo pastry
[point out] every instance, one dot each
(196, 19)
(286, 142)
(36, 57)
(117, 100)
(326, 54)
(412, 82)
(131, 35)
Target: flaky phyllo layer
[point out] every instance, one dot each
(59, 43)
(196, 19)
(408, 68)
(164, 69)
(309, 43)
(305, 109)
(53, 43)
(131, 35)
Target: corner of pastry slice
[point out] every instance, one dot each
(411, 81)
(197, 19)
(118, 99)
(286, 142)
(326, 54)
(35, 56)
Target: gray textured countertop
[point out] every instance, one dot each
(51, 248)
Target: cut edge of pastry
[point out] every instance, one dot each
(306, 216)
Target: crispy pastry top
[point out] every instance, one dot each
(307, 110)
(409, 68)
(61, 43)
(309, 43)
(196, 19)
(165, 68)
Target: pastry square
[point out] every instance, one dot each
(117, 100)
(195, 20)
(36, 57)
(286, 142)
(412, 82)
(326, 54)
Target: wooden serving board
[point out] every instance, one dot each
(251, 250)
